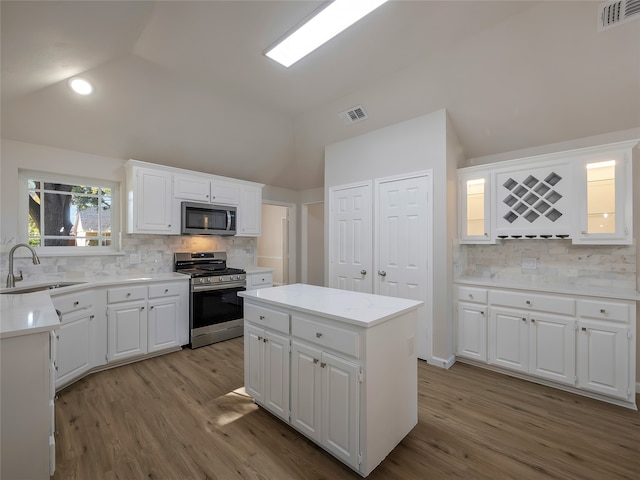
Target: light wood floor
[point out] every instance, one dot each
(184, 416)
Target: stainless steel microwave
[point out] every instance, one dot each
(205, 219)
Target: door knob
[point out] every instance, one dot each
(363, 272)
(382, 273)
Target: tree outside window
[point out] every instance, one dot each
(69, 214)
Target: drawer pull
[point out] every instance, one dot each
(528, 302)
(75, 304)
(471, 295)
(128, 294)
(166, 290)
(261, 317)
(318, 334)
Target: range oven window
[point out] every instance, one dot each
(211, 307)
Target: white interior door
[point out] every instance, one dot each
(350, 236)
(403, 246)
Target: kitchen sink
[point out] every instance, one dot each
(38, 288)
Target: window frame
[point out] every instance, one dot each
(23, 213)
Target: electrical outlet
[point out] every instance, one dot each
(529, 263)
(134, 258)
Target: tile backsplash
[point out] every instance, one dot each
(155, 251)
(557, 262)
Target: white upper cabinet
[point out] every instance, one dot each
(605, 197)
(225, 193)
(191, 187)
(150, 207)
(249, 221)
(475, 207)
(584, 195)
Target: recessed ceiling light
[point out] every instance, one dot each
(326, 24)
(80, 86)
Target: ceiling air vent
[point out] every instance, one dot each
(355, 114)
(612, 14)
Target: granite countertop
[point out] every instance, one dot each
(361, 309)
(600, 292)
(26, 313)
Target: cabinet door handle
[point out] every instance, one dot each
(528, 302)
(322, 364)
(259, 338)
(603, 311)
(482, 313)
(524, 319)
(261, 317)
(75, 304)
(166, 290)
(128, 294)
(533, 320)
(150, 308)
(91, 317)
(141, 308)
(265, 340)
(315, 360)
(584, 329)
(363, 272)
(318, 334)
(382, 273)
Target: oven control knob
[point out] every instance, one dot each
(209, 279)
(222, 279)
(201, 280)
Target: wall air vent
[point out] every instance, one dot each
(355, 114)
(612, 14)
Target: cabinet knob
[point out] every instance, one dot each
(75, 304)
(150, 308)
(584, 329)
(141, 308)
(315, 360)
(382, 273)
(322, 365)
(261, 317)
(471, 295)
(363, 272)
(91, 317)
(528, 302)
(533, 320)
(524, 319)
(169, 226)
(128, 294)
(318, 334)
(482, 313)
(603, 311)
(259, 338)
(166, 290)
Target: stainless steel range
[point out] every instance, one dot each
(216, 310)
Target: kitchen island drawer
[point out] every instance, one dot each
(532, 301)
(126, 294)
(70, 302)
(267, 317)
(604, 310)
(323, 333)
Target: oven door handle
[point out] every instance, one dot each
(209, 287)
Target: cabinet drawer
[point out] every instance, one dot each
(471, 294)
(604, 310)
(124, 294)
(73, 301)
(330, 336)
(267, 318)
(540, 303)
(260, 280)
(164, 290)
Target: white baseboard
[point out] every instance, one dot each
(441, 362)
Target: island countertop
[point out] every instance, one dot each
(361, 309)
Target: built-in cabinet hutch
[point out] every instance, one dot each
(575, 338)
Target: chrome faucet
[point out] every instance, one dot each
(11, 278)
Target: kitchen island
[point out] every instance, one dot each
(338, 366)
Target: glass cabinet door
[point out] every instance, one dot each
(474, 207)
(605, 198)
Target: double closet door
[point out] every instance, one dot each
(380, 242)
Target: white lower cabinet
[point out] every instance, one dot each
(75, 336)
(324, 400)
(584, 343)
(127, 327)
(606, 353)
(267, 369)
(27, 413)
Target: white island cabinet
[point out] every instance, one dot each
(329, 362)
(27, 386)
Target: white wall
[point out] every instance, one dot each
(415, 145)
(315, 243)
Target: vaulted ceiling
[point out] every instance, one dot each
(185, 83)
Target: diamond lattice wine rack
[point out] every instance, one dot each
(534, 203)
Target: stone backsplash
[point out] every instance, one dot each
(156, 256)
(558, 262)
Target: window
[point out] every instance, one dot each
(66, 214)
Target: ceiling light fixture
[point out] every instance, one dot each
(80, 86)
(323, 26)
